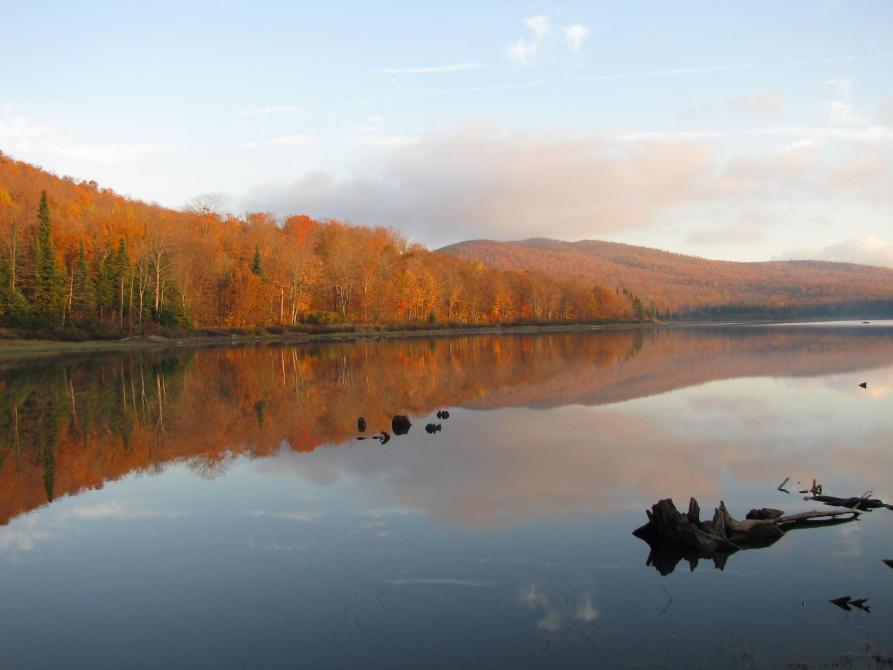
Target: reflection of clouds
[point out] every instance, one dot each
(117, 510)
(552, 619)
(535, 598)
(851, 534)
(273, 546)
(387, 512)
(585, 610)
(439, 581)
(373, 524)
(23, 536)
(304, 516)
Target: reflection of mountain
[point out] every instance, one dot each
(657, 361)
(73, 425)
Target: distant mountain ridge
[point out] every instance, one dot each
(671, 284)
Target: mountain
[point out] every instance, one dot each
(672, 284)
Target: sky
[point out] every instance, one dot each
(741, 131)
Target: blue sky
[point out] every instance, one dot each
(729, 130)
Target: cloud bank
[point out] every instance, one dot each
(480, 181)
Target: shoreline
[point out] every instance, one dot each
(24, 348)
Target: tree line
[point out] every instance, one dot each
(76, 255)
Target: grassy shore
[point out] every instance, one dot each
(22, 347)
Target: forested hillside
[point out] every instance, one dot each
(677, 285)
(73, 254)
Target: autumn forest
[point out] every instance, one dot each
(74, 255)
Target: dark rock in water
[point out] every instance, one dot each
(889, 562)
(361, 424)
(863, 385)
(400, 424)
(443, 414)
(360, 437)
(432, 428)
(385, 437)
(764, 513)
(843, 602)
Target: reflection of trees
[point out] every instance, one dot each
(75, 424)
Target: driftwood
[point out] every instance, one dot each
(673, 536)
(863, 503)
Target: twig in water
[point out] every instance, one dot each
(781, 486)
(669, 600)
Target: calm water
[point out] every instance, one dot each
(213, 509)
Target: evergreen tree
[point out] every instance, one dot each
(49, 286)
(256, 265)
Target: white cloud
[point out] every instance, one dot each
(761, 104)
(375, 139)
(482, 181)
(841, 85)
(842, 112)
(868, 134)
(431, 69)
(21, 136)
(293, 140)
(523, 50)
(285, 110)
(574, 35)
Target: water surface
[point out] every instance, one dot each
(214, 509)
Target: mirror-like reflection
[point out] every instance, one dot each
(224, 496)
(76, 424)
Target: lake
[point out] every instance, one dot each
(213, 508)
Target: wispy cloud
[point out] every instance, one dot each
(574, 35)
(284, 110)
(378, 140)
(431, 69)
(523, 49)
(293, 140)
(870, 134)
(19, 134)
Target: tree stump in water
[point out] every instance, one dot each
(673, 536)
